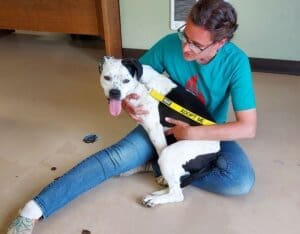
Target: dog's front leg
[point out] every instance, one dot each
(157, 137)
(156, 134)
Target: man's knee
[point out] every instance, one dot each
(242, 187)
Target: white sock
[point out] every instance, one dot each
(31, 210)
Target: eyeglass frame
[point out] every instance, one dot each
(184, 39)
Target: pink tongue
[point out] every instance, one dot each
(115, 107)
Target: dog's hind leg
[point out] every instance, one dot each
(161, 181)
(172, 172)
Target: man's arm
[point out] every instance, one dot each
(243, 127)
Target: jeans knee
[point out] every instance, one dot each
(244, 189)
(243, 186)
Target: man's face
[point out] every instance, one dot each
(198, 44)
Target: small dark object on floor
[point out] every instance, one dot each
(53, 168)
(84, 231)
(90, 138)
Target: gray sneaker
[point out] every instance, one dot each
(21, 225)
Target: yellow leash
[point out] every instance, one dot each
(183, 111)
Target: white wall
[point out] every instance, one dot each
(267, 28)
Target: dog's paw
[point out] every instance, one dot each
(163, 197)
(161, 181)
(149, 201)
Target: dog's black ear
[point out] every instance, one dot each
(102, 61)
(134, 67)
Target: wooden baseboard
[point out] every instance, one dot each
(258, 64)
(275, 66)
(133, 53)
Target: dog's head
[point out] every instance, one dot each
(118, 78)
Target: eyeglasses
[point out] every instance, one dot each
(184, 39)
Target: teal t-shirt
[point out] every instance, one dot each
(227, 76)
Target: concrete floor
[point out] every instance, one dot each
(50, 98)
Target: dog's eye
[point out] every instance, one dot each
(126, 81)
(107, 78)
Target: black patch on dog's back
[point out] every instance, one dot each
(187, 100)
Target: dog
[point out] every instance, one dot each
(177, 159)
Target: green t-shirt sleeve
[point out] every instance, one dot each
(242, 88)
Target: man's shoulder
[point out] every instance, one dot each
(171, 36)
(169, 40)
(231, 49)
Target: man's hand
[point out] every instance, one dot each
(180, 129)
(134, 112)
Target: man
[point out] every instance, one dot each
(202, 59)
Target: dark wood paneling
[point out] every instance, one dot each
(84, 17)
(68, 16)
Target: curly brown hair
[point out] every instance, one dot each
(217, 16)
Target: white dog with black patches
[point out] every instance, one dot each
(121, 77)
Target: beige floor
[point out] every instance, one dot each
(50, 98)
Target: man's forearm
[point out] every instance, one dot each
(223, 132)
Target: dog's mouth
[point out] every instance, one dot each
(115, 106)
(115, 103)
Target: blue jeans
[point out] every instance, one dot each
(233, 174)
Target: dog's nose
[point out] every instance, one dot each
(114, 94)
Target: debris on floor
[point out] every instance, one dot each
(84, 231)
(90, 138)
(53, 168)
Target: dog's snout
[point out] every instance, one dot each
(114, 94)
